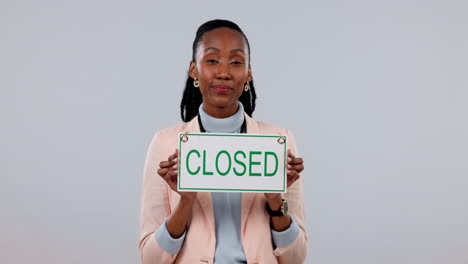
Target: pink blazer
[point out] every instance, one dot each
(158, 201)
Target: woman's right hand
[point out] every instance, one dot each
(168, 170)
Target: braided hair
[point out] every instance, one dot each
(192, 98)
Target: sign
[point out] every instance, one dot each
(212, 162)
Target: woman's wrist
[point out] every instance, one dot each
(274, 201)
(275, 205)
(177, 222)
(187, 200)
(278, 223)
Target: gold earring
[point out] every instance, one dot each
(196, 83)
(246, 86)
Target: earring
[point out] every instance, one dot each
(246, 86)
(196, 83)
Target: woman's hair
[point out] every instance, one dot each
(192, 97)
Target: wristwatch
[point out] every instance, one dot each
(282, 211)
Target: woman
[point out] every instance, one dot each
(191, 227)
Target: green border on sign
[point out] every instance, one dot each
(230, 135)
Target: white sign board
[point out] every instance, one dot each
(210, 162)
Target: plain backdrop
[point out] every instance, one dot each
(376, 93)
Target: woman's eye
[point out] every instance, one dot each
(237, 62)
(211, 61)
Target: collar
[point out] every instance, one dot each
(231, 124)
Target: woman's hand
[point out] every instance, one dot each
(168, 170)
(294, 167)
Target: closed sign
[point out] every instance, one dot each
(213, 162)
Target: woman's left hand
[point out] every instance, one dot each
(294, 167)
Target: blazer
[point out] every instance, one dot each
(158, 201)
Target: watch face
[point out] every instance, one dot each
(285, 207)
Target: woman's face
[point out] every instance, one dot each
(222, 68)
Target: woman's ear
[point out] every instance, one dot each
(193, 70)
(249, 74)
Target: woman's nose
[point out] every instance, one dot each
(223, 72)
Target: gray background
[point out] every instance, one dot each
(375, 92)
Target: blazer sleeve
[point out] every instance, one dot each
(296, 251)
(154, 207)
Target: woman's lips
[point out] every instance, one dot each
(222, 88)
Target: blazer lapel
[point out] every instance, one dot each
(248, 198)
(252, 125)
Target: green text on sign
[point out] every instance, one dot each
(239, 157)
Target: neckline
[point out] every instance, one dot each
(242, 130)
(229, 124)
